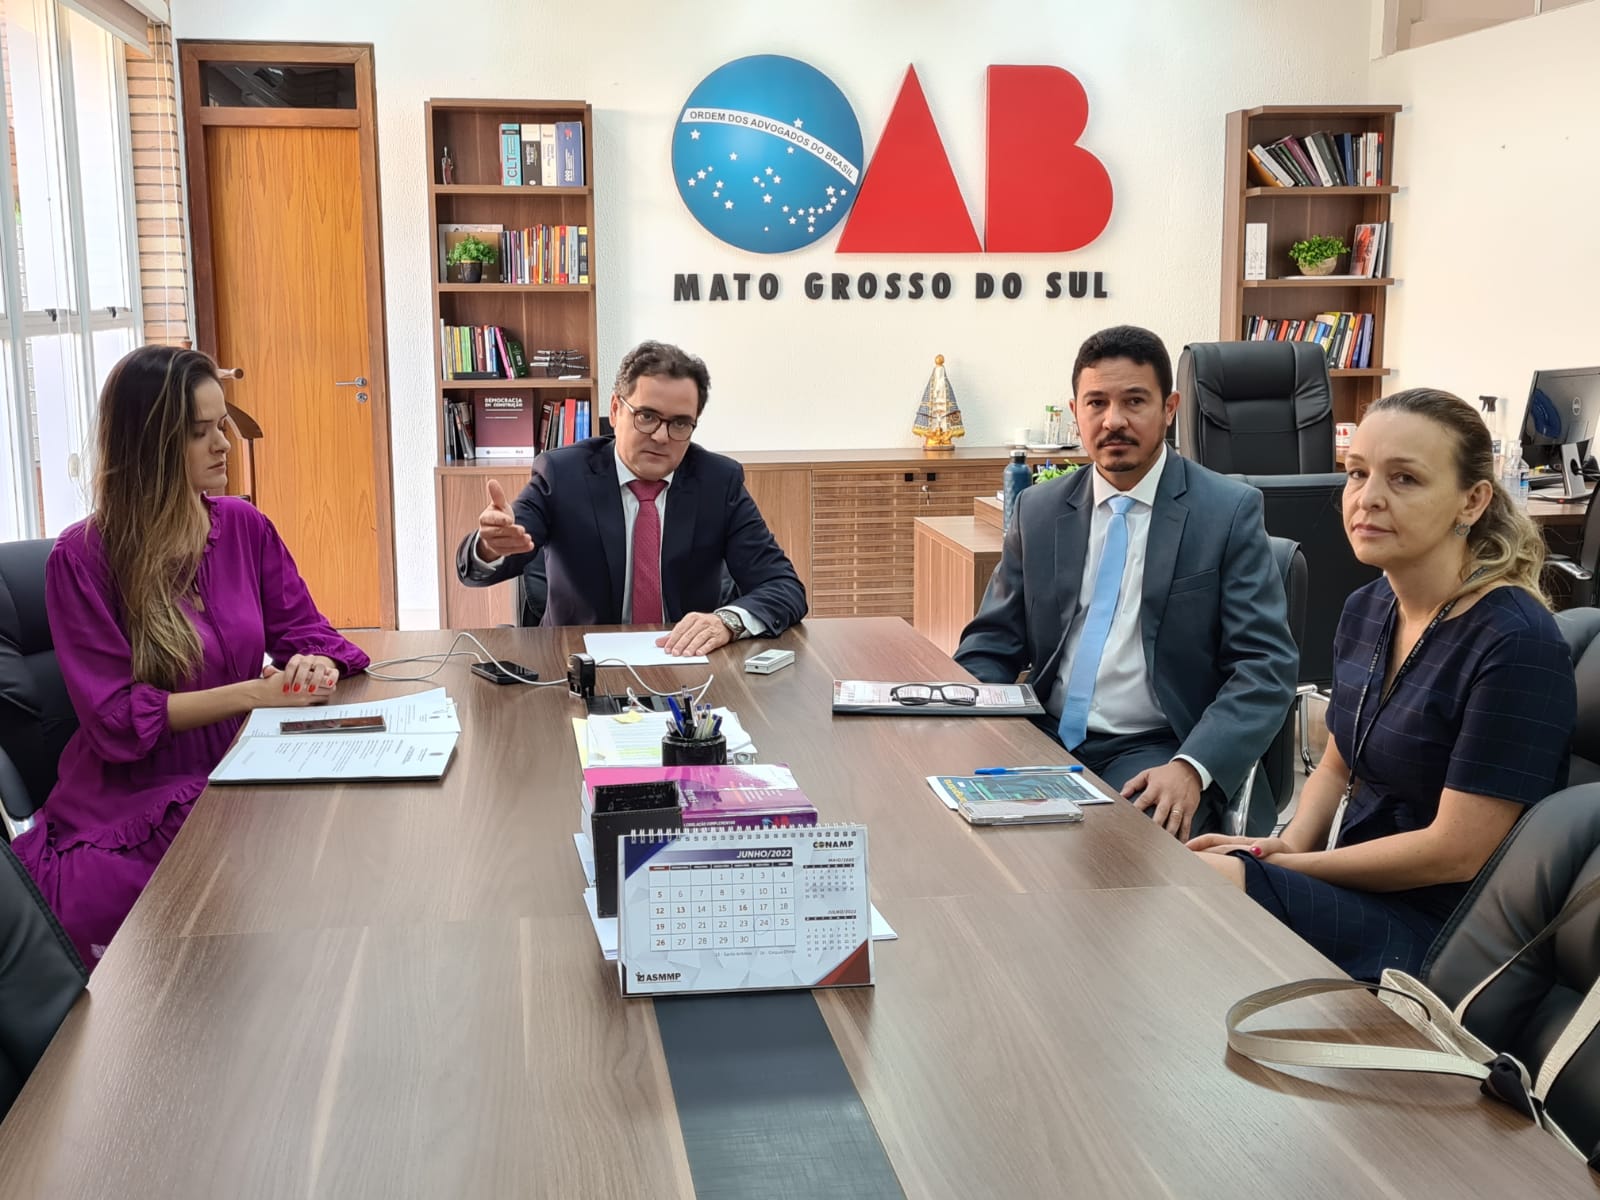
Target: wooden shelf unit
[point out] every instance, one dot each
(541, 316)
(1292, 214)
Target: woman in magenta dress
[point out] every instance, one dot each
(163, 605)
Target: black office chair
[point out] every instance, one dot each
(1581, 628)
(1553, 851)
(40, 977)
(1276, 767)
(1307, 509)
(36, 716)
(1255, 408)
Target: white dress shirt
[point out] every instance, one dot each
(630, 514)
(1124, 700)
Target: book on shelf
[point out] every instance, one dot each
(562, 422)
(452, 234)
(548, 153)
(511, 154)
(480, 352)
(546, 254)
(1369, 250)
(1320, 159)
(458, 440)
(1255, 250)
(532, 154)
(1345, 337)
(504, 426)
(569, 150)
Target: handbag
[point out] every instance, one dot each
(1459, 1052)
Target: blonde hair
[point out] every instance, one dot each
(151, 523)
(1504, 544)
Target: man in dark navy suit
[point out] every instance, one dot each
(636, 529)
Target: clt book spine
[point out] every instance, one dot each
(511, 155)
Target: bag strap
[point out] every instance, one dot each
(1460, 1053)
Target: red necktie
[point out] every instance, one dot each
(647, 553)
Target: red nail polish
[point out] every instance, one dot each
(1256, 850)
(297, 687)
(286, 689)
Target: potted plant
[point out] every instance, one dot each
(1050, 471)
(468, 256)
(1318, 255)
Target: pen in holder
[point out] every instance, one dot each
(688, 752)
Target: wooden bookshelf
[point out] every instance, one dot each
(1294, 213)
(541, 316)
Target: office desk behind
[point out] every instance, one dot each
(392, 991)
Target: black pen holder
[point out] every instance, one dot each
(694, 752)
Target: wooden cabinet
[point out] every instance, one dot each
(846, 518)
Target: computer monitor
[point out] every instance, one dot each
(1563, 409)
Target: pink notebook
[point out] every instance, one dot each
(750, 797)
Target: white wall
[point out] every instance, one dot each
(1497, 225)
(795, 373)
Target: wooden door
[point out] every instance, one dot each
(288, 289)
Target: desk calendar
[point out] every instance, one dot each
(724, 910)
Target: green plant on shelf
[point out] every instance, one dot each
(472, 249)
(1309, 253)
(1050, 471)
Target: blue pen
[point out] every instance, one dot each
(1062, 769)
(677, 716)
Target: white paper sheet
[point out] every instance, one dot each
(635, 649)
(423, 712)
(334, 757)
(632, 742)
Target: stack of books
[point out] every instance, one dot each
(481, 352)
(1345, 337)
(542, 155)
(1320, 160)
(545, 254)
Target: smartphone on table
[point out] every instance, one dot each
(505, 672)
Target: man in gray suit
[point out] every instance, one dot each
(1143, 598)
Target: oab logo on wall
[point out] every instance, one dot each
(768, 156)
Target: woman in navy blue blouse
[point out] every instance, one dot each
(1453, 699)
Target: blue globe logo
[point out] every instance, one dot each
(767, 154)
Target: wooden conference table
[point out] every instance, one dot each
(394, 991)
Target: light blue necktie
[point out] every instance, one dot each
(1074, 725)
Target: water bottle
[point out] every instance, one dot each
(1017, 477)
(1514, 479)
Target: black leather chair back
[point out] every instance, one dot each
(1277, 764)
(1256, 408)
(1306, 509)
(40, 976)
(1552, 852)
(36, 717)
(1581, 627)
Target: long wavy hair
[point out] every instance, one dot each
(151, 523)
(1504, 543)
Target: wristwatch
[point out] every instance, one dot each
(731, 619)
